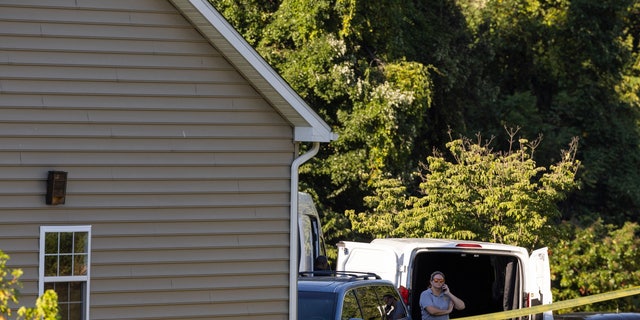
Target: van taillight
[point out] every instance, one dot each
(468, 245)
(404, 293)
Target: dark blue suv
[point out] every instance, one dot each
(348, 296)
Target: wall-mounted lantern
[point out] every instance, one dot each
(56, 187)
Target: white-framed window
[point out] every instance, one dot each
(65, 267)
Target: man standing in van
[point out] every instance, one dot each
(437, 302)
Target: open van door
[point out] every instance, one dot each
(310, 242)
(365, 257)
(540, 278)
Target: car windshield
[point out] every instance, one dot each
(316, 305)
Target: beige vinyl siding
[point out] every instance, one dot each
(181, 168)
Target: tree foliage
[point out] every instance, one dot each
(46, 307)
(558, 67)
(247, 16)
(501, 197)
(597, 259)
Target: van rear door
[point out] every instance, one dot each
(540, 277)
(310, 240)
(365, 257)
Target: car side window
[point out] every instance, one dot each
(395, 310)
(370, 303)
(350, 309)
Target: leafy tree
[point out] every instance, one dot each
(597, 259)
(568, 68)
(46, 306)
(379, 134)
(388, 202)
(501, 197)
(247, 16)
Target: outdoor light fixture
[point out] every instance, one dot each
(56, 187)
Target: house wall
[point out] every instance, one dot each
(181, 168)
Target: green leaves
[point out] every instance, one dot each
(501, 197)
(562, 69)
(46, 306)
(8, 285)
(385, 120)
(597, 259)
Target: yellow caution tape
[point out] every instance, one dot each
(556, 305)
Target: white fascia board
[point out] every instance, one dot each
(308, 126)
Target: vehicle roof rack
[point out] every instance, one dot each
(340, 274)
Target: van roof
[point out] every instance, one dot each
(403, 244)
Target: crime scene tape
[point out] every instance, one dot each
(556, 305)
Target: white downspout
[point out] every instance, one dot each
(293, 234)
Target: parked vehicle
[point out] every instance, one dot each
(346, 296)
(488, 277)
(310, 241)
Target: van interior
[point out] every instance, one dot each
(485, 282)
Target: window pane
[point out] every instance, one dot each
(316, 305)
(369, 303)
(80, 265)
(66, 263)
(396, 310)
(66, 242)
(75, 311)
(305, 233)
(51, 243)
(62, 289)
(80, 242)
(76, 291)
(350, 307)
(63, 309)
(51, 266)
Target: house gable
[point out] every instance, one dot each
(308, 125)
(178, 158)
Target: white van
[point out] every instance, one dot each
(310, 242)
(488, 277)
